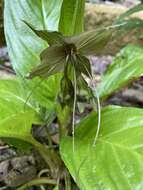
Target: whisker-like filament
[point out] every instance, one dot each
(99, 117)
(74, 109)
(93, 88)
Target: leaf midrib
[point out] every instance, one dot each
(18, 97)
(120, 146)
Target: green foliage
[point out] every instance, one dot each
(38, 49)
(131, 11)
(16, 116)
(18, 127)
(125, 68)
(12, 99)
(71, 19)
(24, 46)
(115, 162)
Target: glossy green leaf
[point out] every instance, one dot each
(126, 67)
(13, 98)
(25, 47)
(16, 130)
(17, 127)
(115, 162)
(71, 20)
(16, 117)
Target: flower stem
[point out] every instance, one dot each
(37, 181)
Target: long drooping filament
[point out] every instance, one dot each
(74, 109)
(98, 107)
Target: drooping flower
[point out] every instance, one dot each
(69, 54)
(64, 51)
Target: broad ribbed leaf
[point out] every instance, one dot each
(16, 130)
(126, 67)
(25, 47)
(71, 20)
(17, 127)
(16, 117)
(115, 162)
(13, 99)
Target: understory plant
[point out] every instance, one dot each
(50, 54)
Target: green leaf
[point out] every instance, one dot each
(25, 47)
(126, 67)
(16, 117)
(56, 188)
(13, 98)
(71, 20)
(16, 130)
(115, 162)
(127, 25)
(131, 11)
(17, 126)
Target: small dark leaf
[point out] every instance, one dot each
(91, 42)
(83, 65)
(52, 62)
(83, 87)
(51, 37)
(67, 90)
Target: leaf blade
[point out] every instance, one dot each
(25, 47)
(72, 15)
(16, 116)
(125, 68)
(116, 160)
(51, 37)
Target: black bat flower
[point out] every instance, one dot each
(69, 54)
(64, 52)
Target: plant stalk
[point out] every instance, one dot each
(50, 157)
(37, 181)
